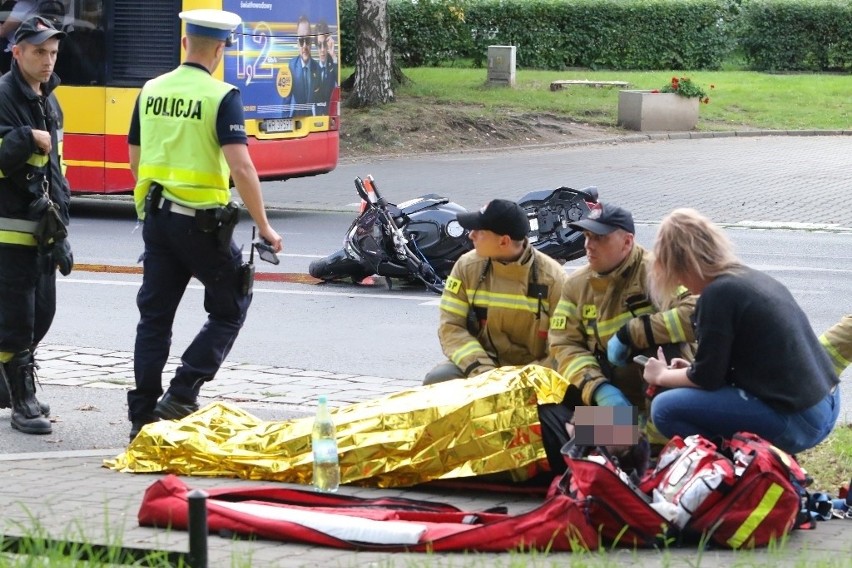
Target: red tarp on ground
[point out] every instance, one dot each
(388, 524)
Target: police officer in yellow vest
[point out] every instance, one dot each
(34, 200)
(187, 137)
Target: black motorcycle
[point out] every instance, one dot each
(421, 239)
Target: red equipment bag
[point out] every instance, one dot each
(387, 524)
(617, 509)
(691, 476)
(746, 493)
(763, 504)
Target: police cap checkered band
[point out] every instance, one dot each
(217, 24)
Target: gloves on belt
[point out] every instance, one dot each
(63, 257)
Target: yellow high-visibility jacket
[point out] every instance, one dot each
(837, 340)
(592, 309)
(512, 319)
(179, 146)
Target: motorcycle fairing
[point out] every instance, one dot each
(550, 211)
(422, 202)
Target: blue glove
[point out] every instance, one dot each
(609, 395)
(617, 352)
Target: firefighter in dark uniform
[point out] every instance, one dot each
(187, 137)
(34, 200)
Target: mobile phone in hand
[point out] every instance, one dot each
(641, 359)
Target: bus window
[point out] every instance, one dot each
(114, 46)
(81, 53)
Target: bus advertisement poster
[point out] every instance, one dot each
(285, 57)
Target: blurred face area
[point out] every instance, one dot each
(303, 30)
(606, 252)
(36, 62)
(322, 47)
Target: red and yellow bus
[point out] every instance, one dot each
(114, 46)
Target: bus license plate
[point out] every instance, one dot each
(277, 125)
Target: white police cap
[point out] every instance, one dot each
(217, 24)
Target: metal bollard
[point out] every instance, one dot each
(197, 528)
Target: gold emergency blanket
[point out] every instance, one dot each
(482, 425)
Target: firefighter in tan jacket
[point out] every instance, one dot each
(837, 341)
(605, 316)
(496, 305)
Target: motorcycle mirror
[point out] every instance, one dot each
(362, 191)
(370, 186)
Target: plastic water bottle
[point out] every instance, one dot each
(324, 446)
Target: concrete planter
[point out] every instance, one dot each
(648, 111)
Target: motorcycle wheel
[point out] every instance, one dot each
(337, 266)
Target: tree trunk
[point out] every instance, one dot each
(373, 59)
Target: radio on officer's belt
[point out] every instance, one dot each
(247, 271)
(247, 278)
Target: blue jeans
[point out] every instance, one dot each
(724, 412)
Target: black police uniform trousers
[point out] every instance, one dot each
(175, 251)
(27, 298)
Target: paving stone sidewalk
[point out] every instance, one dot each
(70, 496)
(65, 365)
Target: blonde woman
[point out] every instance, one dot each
(759, 367)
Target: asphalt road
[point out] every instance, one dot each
(761, 187)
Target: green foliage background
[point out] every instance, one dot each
(771, 35)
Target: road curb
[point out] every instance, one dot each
(622, 139)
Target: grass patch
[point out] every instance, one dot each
(830, 463)
(739, 98)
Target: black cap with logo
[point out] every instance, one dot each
(499, 216)
(37, 30)
(604, 219)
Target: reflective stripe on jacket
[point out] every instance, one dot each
(35, 160)
(516, 323)
(23, 169)
(837, 341)
(179, 145)
(594, 307)
(17, 232)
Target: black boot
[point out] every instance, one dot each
(5, 402)
(19, 375)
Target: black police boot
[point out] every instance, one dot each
(19, 375)
(171, 407)
(136, 425)
(5, 402)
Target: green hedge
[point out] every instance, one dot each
(800, 35)
(610, 34)
(618, 34)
